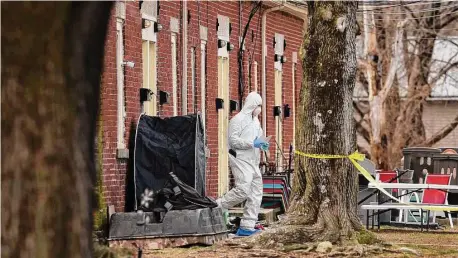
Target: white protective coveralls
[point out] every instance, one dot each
(243, 129)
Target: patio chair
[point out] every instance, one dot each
(392, 176)
(406, 176)
(387, 176)
(435, 196)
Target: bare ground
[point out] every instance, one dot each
(398, 242)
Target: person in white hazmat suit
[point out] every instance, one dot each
(244, 147)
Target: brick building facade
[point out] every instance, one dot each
(145, 48)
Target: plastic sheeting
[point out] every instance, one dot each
(174, 144)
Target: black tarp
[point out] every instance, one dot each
(164, 145)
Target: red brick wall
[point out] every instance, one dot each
(114, 170)
(291, 28)
(204, 13)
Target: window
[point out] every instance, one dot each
(149, 75)
(149, 14)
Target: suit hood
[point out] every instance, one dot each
(252, 101)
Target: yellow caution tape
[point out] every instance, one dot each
(354, 158)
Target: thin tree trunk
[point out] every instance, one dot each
(382, 89)
(412, 132)
(324, 190)
(51, 65)
(376, 114)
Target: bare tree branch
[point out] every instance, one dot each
(364, 151)
(361, 78)
(396, 55)
(402, 75)
(434, 16)
(360, 128)
(442, 133)
(413, 42)
(362, 64)
(453, 79)
(445, 62)
(452, 42)
(358, 109)
(443, 71)
(450, 17)
(363, 132)
(411, 13)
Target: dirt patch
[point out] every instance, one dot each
(437, 243)
(399, 243)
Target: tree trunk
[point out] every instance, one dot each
(387, 104)
(325, 190)
(393, 33)
(51, 64)
(374, 78)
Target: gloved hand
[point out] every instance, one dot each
(258, 143)
(265, 146)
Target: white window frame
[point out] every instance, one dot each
(223, 34)
(174, 29)
(278, 99)
(193, 79)
(294, 64)
(278, 85)
(203, 78)
(223, 114)
(149, 56)
(121, 105)
(203, 74)
(223, 125)
(150, 75)
(279, 49)
(173, 43)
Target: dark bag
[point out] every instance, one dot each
(176, 195)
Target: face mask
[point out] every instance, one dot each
(257, 111)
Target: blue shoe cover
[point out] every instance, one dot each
(246, 232)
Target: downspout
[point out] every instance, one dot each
(184, 83)
(263, 57)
